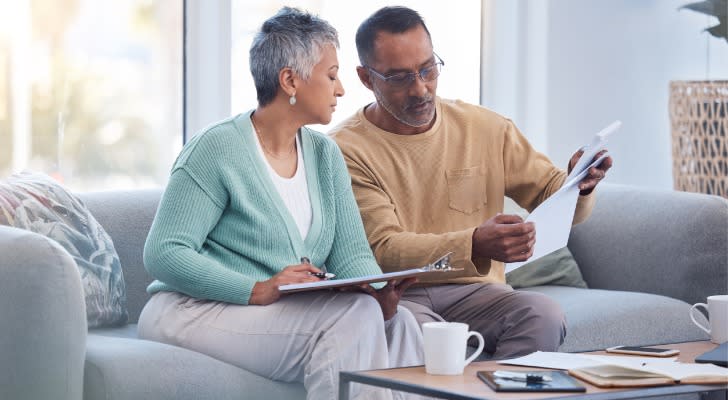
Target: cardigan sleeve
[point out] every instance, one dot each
(350, 255)
(173, 250)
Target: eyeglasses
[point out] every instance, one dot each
(403, 79)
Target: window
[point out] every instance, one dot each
(91, 90)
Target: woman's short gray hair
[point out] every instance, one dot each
(291, 38)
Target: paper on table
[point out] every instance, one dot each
(554, 216)
(547, 359)
(624, 371)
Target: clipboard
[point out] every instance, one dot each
(441, 265)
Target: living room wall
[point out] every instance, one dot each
(564, 69)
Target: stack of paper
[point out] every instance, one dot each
(625, 371)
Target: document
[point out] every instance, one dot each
(554, 216)
(440, 266)
(624, 371)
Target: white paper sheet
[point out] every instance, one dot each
(618, 365)
(553, 217)
(547, 359)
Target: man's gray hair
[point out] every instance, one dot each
(291, 38)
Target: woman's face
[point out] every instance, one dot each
(316, 97)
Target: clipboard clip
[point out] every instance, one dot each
(441, 264)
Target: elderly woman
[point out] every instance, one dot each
(247, 199)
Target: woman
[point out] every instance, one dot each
(247, 199)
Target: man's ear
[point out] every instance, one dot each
(364, 77)
(288, 81)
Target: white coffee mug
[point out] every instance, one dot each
(717, 308)
(445, 344)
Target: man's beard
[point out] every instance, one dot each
(403, 118)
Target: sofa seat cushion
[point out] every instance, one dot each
(597, 319)
(128, 331)
(133, 369)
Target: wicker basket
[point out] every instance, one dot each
(699, 122)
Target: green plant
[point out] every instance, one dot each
(716, 8)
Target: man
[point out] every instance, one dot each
(430, 176)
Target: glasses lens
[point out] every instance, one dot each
(401, 79)
(430, 73)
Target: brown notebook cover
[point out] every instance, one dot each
(643, 382)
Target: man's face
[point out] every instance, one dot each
(411, 104)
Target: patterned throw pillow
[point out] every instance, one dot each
(37, 203)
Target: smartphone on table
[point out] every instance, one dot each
(643, 351)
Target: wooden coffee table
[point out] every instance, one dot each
(468, 386)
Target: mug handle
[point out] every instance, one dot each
(692, 317)
(481, 344)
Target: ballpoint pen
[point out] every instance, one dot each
(321, 275)
(521, 376)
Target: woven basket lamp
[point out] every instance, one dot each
(699, 123)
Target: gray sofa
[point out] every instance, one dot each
(646, 255)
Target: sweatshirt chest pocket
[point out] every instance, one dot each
(466, 189)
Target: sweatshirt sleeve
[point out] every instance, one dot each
(531, 178)
(173, 250)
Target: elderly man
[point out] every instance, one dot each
(430, 176)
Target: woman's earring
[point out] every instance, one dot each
(292, 100)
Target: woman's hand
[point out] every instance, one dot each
(266, 292)
(388, 296)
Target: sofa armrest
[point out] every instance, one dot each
(655, 241)
(43, 314)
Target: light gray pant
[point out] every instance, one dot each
(513, 323)
(303, 337)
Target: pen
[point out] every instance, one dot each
(521, 376)
(320, 275)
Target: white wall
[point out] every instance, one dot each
(564, 69)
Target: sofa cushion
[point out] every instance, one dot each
(35, 202)
(597, 319)
(558, 268)
(131, 369)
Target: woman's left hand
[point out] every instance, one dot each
(388, 296)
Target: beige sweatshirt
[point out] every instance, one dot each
(421, 196)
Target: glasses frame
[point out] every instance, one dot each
(410, 76)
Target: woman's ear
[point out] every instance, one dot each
(288, 81)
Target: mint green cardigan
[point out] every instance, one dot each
(221, 225)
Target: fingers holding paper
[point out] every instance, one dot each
(595, 173)
(504, 238)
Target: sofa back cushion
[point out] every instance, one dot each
(127, 216)
(35, 202)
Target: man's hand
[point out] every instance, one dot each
(266, 292)
(504, 238)
(388, 296)
(595, 174)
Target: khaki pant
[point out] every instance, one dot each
(303, 337)
(513, 323)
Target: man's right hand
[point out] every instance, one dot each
(504, 238)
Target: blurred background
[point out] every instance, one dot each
(102, 94)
